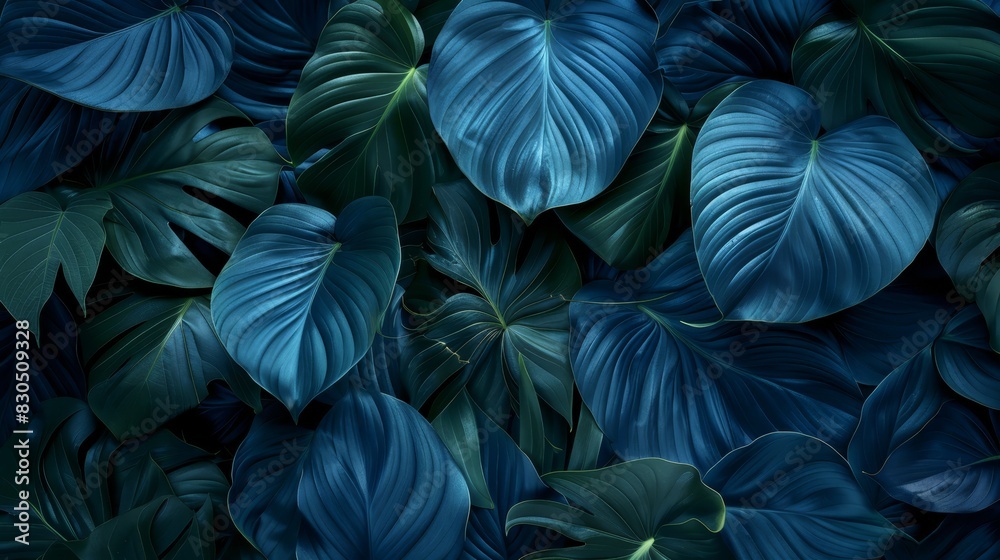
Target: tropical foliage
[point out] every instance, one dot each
(500, 279)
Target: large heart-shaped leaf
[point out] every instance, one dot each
(790, 226)
(364, 96)
(791, 496)
(373, 481)
(274, 40)
(649, 509)
(634, 216)
(41, 233)
(541, 101)
(299, 303)
(967, 241)
(513, 329)
(730, 41)
(660, 386)
(182, 179)
(151, 359)
(896, 56)
(117, 55)
(41, 136)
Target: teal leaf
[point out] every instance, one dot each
(967, 242)
(806, 225)
(372, 481)
(515, 322)
(541, 102)
(903, 59)
(648, 509)
(41, 233)
(301, 299)
(152, 358)
(170, 183)
(363, 96)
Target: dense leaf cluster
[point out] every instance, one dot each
(500, 279)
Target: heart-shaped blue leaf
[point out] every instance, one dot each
(373, 481)
(965, 360)
(660, 386)
(299, 303)
(117, 55)
(790, 226)
(790, 496)
(541, 101)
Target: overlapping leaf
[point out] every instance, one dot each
(661, 383)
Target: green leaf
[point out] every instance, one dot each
(150, 497)
(364, 97)
(152, 358)
(173, 182)
(457, 427)
(41, 232)
(908, 61)
(967, 243)
(648, 509)
(514, 325)
(628, 223)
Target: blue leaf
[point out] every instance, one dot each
(897, 410)
(660, 386)
(41, 136)
(959, 537)
(117, 55)
(790, 227)
(540, 102)
(965, 360)
(511, 479)
(888, 329)
(372, 482)
(299, 303)
(274, 40)
(791, 496)
(951, 465)
(714, 43)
